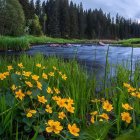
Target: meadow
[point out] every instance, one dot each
(49, 98)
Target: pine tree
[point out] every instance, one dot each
(81, 21)
(26, 8)
(32, 9)
(38, 8)
(53, 20)
(73, 21)
(64, 18)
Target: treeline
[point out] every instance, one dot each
(63, 18)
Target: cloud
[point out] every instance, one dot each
(126, 8)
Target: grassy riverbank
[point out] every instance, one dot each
(24, 43)
(135, 42)
(35, 90)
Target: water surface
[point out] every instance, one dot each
(92, 57)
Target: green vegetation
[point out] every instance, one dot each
(23, 115)
(23, 43)
(44, 39)
(135, 42)
(12, 20)
(35, 27)
(13, 43)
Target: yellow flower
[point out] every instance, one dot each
(9, 68)
(101, 120)
(45, 76)
(54, 126)
(138, 95)
(42, 99)
(61, 115)
(107, 106)
(28, 83)
(6, 73)
(49, 90)
(27, 74)
(35, 77)
(127, 107)
(131, 89)
(94, 113)
(92, 120)
(133, 94)
(61, 102)
(20, 65)
(54, 68)
(20, 94)
(2, 76)
(104, 116)
(38, 65)
(18, 73)
(126, 117)
(39, 85)
(70, 101)
(73, 129)
(51, 74)
(28, 92)
(30, 113)
(43, 67)
(70, 108)
(56, 90)
(126, 85)
(64, 77)
(56, 98)
(95, 100)
(48, 109)
(13, 87)
(60, 73)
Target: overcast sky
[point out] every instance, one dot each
(127, 8)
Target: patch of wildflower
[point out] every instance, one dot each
(38, 98)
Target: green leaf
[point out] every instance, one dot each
(131, 135)
(40, 138)
(97, 131)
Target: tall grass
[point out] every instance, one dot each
(24, 43)
(79, 86)
(13, 43)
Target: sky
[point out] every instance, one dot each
(126, 8)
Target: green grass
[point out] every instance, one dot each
(81, 87)
(13, 43)
(24, 43)
(135, 42)
(44, 39)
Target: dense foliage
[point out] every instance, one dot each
(68, 20)
(12, 20)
